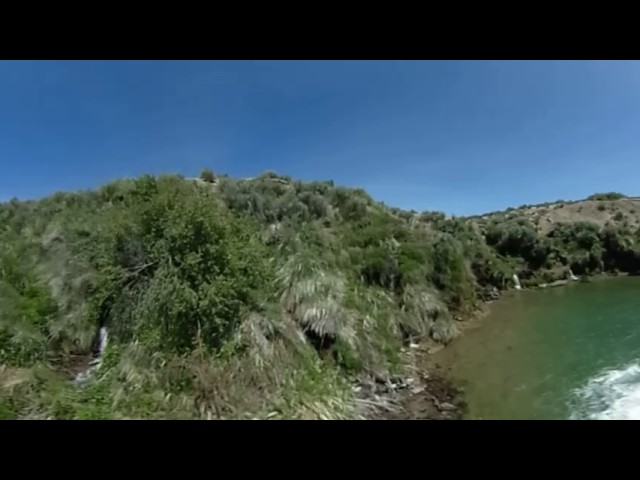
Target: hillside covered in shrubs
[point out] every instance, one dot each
(258, 298)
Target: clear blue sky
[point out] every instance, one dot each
(461, 137)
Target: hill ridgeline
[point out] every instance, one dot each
(265, 297)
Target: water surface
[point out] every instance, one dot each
(566, 352)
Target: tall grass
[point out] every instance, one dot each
(261, 298)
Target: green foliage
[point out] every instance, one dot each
(621, 249)
(431, 216)
(207, 175)
(578, 245)
(26, 308)
(451, 272)
(517, 238)
(253, 299)
(173, 266)
(606, 196)
(7, 411)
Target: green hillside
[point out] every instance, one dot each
(258, 298)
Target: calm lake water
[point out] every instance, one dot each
(565, 353)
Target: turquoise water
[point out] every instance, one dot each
(566, 352)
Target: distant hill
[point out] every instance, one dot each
(600, 210)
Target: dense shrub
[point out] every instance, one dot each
(173, 266)
(606, 196)
(518, 238)
(578, 245)
(207, 175)
(451, 271)
(621, 250)
(250, 299)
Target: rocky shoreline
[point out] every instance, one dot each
(424, 392)
(423, 396)
(430, 394)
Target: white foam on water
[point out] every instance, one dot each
(611, 395)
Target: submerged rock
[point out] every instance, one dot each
(447, 407)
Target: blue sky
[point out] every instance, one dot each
(461, 137)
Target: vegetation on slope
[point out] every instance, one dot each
(258, 298)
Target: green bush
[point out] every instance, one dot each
(207, 175)
(26, 311)
(518, 238)
(606, 196)
(451, 272)
(621, 250)
(250, 300)
(175, 267)
(578, 245)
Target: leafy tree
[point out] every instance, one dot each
(578, 244)
(207, 175)
(606, 196)
(175, 267)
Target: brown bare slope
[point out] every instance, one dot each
(600, 212)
